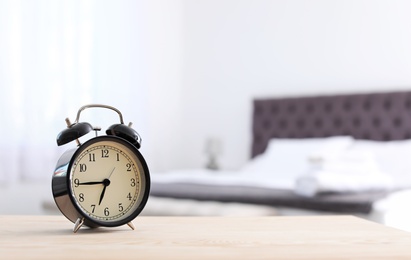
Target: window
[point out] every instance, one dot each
(56, 56)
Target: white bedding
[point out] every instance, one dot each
(311, 166)
(279, 167)
(224, 178)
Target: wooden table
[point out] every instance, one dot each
(322, 237)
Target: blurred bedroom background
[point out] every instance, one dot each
(184, 72)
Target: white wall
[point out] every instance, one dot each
(161, 51)
(235, 50)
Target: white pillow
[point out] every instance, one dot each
(393, 158)
(288, 158)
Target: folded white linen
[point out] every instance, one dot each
(344, 172)
(321, 182)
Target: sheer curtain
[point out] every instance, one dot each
(56, 56)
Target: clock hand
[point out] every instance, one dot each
(96, 182)
(102, 195)
(91, 183)
(106, 182)
(112, 171)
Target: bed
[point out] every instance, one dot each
(380, 122)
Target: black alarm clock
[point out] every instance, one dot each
(104, 181)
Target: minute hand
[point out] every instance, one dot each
(91, 183)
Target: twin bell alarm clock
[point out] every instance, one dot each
(104, 181)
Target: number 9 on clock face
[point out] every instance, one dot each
(108, 181)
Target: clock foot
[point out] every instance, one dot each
(130, 224)
(78, 224)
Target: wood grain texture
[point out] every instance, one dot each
(322, 237)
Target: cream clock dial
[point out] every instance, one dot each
(106, 181)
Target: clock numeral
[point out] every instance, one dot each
(133, 182)
(104, 153)
(128, 165)
(120, 207)
(93, 206)
(129, 196)
(81, 197)
(106, 212)
(76, 183)
(92, 157)
(83, 167)
(118, 157)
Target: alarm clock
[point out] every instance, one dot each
(103, 182)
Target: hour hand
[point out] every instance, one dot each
(106, 182)
(102, 194)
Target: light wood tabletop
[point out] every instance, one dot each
(313, 237)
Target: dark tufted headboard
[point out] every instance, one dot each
(376, 116)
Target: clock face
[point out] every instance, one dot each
(108, 181)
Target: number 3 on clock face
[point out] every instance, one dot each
(108, 181)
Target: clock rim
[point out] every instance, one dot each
(92, 222)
